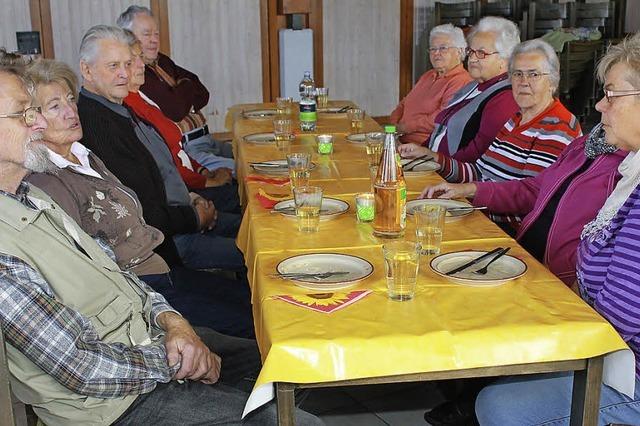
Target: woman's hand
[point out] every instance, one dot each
(411, 150)
(450, 190)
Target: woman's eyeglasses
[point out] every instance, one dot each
(610, 94)
(527, 75)
(480, 54)
(29, 115)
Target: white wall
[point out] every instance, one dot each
(219, 40)
(16, 17)
(361, 52)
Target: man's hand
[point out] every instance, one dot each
(184, 346)
(219, 177)
(450, 190)
(207, 213)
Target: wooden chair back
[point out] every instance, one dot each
(545, 16)
(458, 14)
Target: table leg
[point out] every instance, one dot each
(286, 403)
(585, 399)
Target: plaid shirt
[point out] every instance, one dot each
(64, 343)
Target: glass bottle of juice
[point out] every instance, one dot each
(390, 191)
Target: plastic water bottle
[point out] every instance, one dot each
(308, 114)
(307, 84)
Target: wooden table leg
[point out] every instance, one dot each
(286, 403)
(585, 399)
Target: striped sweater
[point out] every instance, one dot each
(609, 273)
(518, 151)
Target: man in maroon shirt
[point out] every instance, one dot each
(176, 91)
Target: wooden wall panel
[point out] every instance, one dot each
(361, 52)
(16, 17)
(219, 40)
(71, 19)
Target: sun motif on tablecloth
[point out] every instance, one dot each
(324, 302)
(322, 299)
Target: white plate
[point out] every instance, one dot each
(505, 269)
(451, 215)
(362, 137)
(420, 168)
(260, 113)
(331, 208)
(275, 167)
(357, 268)
(261, 138)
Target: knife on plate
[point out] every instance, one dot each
(474, 261)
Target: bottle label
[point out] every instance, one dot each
(403, 208)
(308, 112)
(398, 160)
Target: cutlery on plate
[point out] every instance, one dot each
(463, 209)
(267, 164)
(316, 275)
(293, 210)
(344, 109)
(416, 162)
(484, 270)
(474, 261)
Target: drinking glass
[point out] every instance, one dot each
(356, 116)
(308, 200)
(284, 106)
(282, 132)
(401, 261)
(299, 164)
(365, 207)
(430, 219)
(325, 144)
(374, 144)
(322, 97)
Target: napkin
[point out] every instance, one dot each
(272, 181)
(324, 302)
(268, 201)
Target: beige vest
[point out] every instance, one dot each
(95, 287)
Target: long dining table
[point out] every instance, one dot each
(532, 324)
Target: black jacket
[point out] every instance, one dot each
(113, 139)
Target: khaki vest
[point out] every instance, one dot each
(95, 287)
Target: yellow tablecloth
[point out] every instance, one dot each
(445, 327)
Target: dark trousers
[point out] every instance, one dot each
(224, 197)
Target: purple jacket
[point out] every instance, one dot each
(579, 204)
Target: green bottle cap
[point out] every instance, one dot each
(389, 128)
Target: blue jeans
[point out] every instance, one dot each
(545, 399)
(214, 249)
(207, 300)
(211, 153)
(194, 403)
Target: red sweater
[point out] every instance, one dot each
(172, 137)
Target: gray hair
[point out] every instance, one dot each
(507, 33)
(89, 43)
(542, 47)
(454, 33)
(125, 20)
(628, 52)
(47, 71)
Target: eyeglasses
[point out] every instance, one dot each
(29, 115)
(440, 49)
(619, 93)
(527, 75)
(480, 54)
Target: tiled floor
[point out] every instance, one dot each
(376, 405)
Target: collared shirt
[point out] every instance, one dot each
(82, 154)
(63, 342)
(431, 94)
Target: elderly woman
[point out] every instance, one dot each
(110, 211)
(415, 114)
(532, 139)
(608, 267)
(466, 128)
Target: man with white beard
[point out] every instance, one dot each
(89, 343)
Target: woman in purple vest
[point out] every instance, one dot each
(608, 268)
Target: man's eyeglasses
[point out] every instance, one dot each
(480, 54)
(29, 115)
(609, 94)
(440, 49)
(527, 75)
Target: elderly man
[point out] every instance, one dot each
(416, 113)
(87, 342)
(177, 92)
(136, 154)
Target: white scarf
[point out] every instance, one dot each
(629, 168)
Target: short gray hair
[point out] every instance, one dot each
(542, 47)
(627, 51)
(507, 33)
(454, 33)
(125, 20)
(47, 71)
(89, 43)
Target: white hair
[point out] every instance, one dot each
(125, 20)
(551, 58)
(89, 43)
(454, 33)
(507, 34)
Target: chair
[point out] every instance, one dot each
(504, 8)
(458, 14)
(545, 16)
(594, 15)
